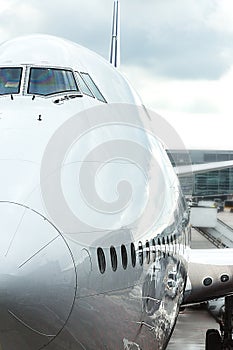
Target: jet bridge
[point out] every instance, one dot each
(203, 216)
(221, 235)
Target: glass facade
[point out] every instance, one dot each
(212, 183)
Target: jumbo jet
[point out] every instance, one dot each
(94, 228)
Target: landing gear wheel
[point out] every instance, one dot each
(227, 324)
(213, 340)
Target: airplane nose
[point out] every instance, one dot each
(37, 279)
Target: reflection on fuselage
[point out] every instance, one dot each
(62, 286)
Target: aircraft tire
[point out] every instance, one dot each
(213, 340)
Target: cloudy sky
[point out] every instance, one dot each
(178, 54)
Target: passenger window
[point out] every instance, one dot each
(147, 252)
(92, 86)
(153, 253)
(168, 244)
(48, 81)
(140, 253)
(113, 255)
(10, 79)
(163, 246)
(124, 256)
(133, 255)
(159, 247)
(172, 246)
(101, 260)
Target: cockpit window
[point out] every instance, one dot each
(92, 86)
(84, 87)
(10, 80)
(48, 81)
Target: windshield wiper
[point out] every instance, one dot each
(67, 97)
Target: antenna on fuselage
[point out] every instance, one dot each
(115, 39)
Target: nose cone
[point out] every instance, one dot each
(37, 279)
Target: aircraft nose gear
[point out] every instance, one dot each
(215, 341)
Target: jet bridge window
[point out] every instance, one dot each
(92, 86)
(48, 81)
(10, 80)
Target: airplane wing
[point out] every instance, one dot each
(210, 275)
(187, 170)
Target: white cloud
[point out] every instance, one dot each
(202, 131)
(5, 5)
(201, 111)
(178, 54)
(225, 92)
(174, 94)
(222, 18)
(19, 18)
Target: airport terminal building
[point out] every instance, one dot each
(211, 184)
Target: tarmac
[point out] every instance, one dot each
(190, 330)
(192, 323)
(227, 217)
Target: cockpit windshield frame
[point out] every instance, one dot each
(48, 81)
(10, 82)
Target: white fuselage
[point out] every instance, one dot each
(93, 226)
